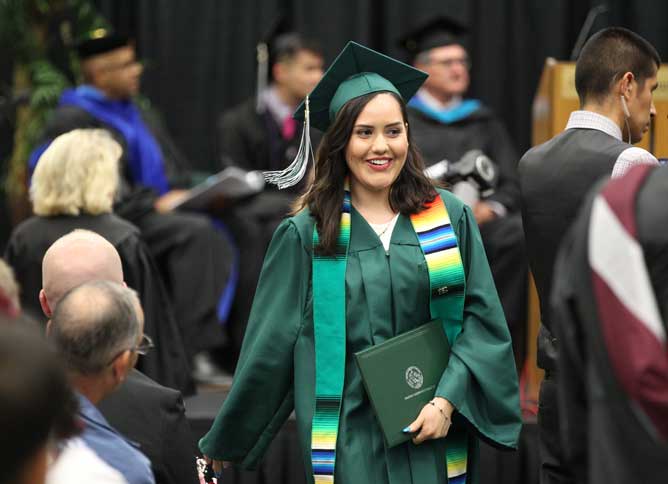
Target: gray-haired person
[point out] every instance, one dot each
(140, 409)
(98, 329)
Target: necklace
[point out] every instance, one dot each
(380, 229)
(387, 226)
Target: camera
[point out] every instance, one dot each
(474, 167)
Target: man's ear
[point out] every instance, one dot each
(121, 366)
(278, 71)
(626, 82)
(44, 302)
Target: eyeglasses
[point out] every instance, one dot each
(448, 63)
(145, 345)
(121, 66)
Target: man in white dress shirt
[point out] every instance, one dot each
(615, 77)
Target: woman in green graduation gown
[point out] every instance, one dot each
(374, 252)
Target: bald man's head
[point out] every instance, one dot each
(74, 259)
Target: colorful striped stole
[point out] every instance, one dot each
(447, 281)
(329, 321)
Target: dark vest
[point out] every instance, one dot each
(555, 178)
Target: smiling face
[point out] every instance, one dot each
(378, 146)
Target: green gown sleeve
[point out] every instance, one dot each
(261, 397)
(481, 380)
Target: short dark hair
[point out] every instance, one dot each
(324, 198)
(92, 324)
(36, 402)
(607, 56)
(285, 47)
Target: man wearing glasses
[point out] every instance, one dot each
(140, 409)
(446, 125)
(97, 329)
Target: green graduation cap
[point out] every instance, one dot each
(356, 71)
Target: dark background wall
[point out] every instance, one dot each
(200, 53)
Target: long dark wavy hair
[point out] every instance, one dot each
(324, 196)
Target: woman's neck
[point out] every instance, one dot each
(373, 206)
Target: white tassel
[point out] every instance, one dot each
(297, 169)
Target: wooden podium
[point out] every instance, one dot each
(555, 99)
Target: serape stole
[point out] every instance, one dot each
(329, 317)
(447, 281)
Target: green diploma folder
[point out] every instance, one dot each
(401, 375)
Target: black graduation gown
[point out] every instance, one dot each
(252, 140)
(185, 246)
(29, 242)
(604, 438)
(502, 237)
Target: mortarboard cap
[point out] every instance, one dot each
(437, 32)
(266, 46)
(355, 72)
(100, 41)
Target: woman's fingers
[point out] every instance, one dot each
(433, 425)
(415, 425)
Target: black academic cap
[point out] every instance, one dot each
(279, 36)
(436, 32)
(278, 41)
(268, 49)
(100, 41)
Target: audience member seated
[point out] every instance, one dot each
(186, 246)
(610, 314)
(98, 332)
(261, 134)
(446, 125)
(76, 463)
(10, 305)
(73, 187)
(37, 407)
(141, 409)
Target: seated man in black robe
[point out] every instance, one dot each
(261, 134)
(446, 126)
(194, 257)
(609, 309)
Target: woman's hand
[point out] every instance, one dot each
(217, 465)
(433, 422)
